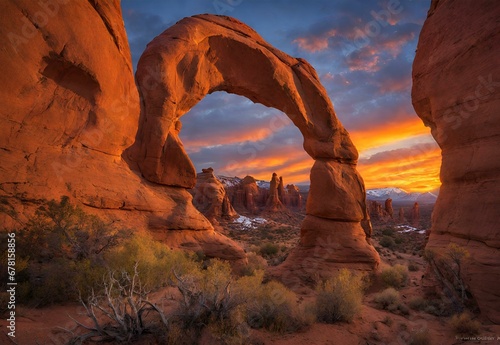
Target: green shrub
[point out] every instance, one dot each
(255, 263)
(387, 242)
(156, 262)
(207, 298)
(339, 298)
(417, 303)
(269, 249)
(398, 239)
(396, 276)
(61, 252)
(388, 232)
(463, 324)
(272, 306)
(388, 299)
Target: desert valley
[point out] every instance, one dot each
(124, 222)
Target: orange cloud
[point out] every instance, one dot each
(262, 135)
(414, 169)
(314, 44)
(293, 166)
(388, 133)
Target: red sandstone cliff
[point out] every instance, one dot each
(456, 92)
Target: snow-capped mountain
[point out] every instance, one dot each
(228, 181)
(398, 194)
(385, 193)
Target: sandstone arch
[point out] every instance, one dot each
(206, 53)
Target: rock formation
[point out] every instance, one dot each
(388, 208)
(210, 197)
(70, 107)
(402, 218)
(205, 53)
(281, 190)
(273, 202)
(456, 92)
(293, 198)
(376, 211)
(415, 215)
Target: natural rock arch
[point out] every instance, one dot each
(207, 53)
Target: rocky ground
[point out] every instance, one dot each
(416, 320)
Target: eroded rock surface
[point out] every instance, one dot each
(206, 53)
(210, 197)
(71, 110)
(274, 202)
(456, 92)
(70, 107)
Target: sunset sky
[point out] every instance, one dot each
(362, 51)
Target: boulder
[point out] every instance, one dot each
(456, 92)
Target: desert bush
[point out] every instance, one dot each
(388, 232)
(412, 267)
(269, 249)
(156, 262)
(272, 306)
(387, 242)
(255, 263)
(60, 229)
(463, 324)
(417, 303)
(388, 299)
(209, 303)
(339, 298)
(420, 337)
(68, 253)
(125, 305)
(396, 276)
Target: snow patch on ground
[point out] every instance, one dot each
(249, 223)
(407, 228)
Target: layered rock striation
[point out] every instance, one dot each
(456, 92)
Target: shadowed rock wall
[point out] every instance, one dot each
(456, 92)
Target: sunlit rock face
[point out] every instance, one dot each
(70, 107)
(210, 197)
(456, 92)
(73, 123)
(207, 53)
